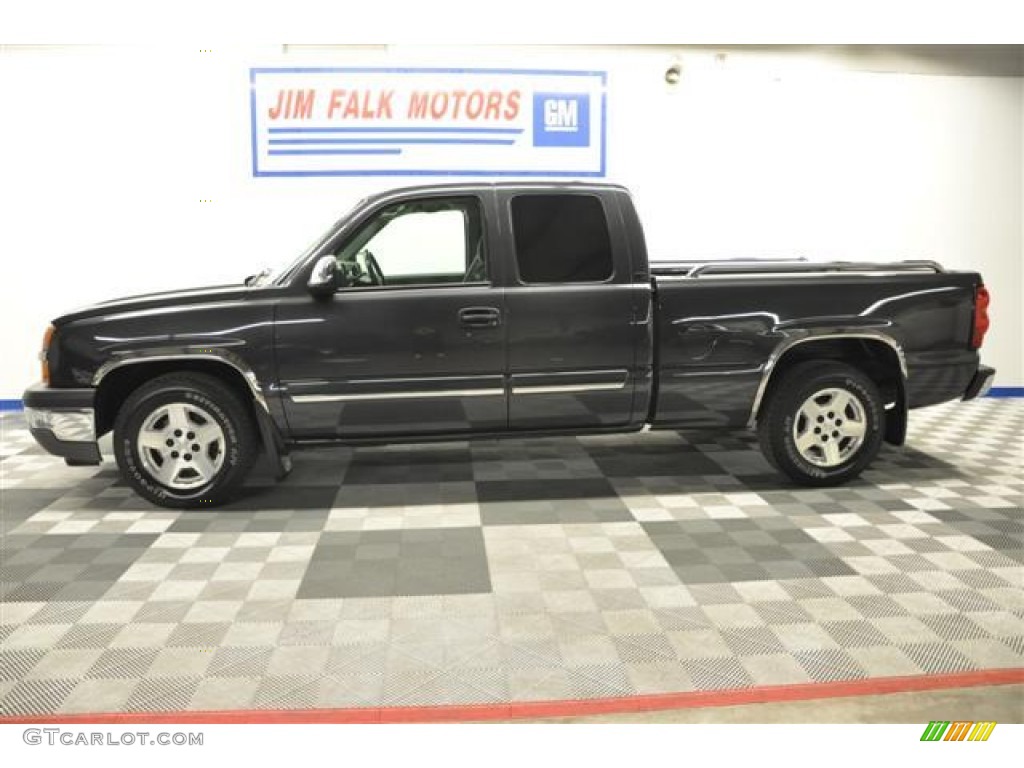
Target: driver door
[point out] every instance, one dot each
(413, 344)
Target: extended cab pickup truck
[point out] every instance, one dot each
(458, 311)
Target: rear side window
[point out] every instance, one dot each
(561, 239)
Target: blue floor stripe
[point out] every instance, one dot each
(1006, 392)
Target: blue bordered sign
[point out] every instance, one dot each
(334, 121)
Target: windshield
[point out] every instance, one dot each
(279, 276)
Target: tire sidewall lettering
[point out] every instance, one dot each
(852, 386)
(130, 454)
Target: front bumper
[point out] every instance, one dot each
(981, 383)
(63, 422)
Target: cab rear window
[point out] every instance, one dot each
(561, 239)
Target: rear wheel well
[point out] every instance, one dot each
(117, 385)
(876, 359)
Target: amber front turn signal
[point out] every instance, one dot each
(47, 338)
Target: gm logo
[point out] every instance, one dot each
(561, 120)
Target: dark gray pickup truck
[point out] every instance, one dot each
(458, 311)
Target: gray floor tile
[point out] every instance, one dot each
(522, 570)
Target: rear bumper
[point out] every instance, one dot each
(981, 383)
(63, 422)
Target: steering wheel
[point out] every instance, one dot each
(373, 269)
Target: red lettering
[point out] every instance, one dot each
(418, 105)
(493, 111)
(475, 105)
(293, 104)
(352, 107)
(458, 97)
(452, 105)
(512, 105)
(275, 111)
(336, 96)
(304, 104)
(438, 105)
(384, 104)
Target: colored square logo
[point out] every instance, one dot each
(561, 120)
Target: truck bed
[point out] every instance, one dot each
(721, 324)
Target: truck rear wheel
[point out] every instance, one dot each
(185, 440)
(822, 424)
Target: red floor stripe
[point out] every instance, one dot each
(568, 708)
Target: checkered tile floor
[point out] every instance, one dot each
(512, 571)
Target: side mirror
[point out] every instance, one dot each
(256, 279)
(324, 278)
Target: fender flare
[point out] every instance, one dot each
(869, 334)
(273, 442)
(170, 354)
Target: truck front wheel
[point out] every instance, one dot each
(185, 440)
(822, 424)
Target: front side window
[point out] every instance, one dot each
(417, 242)
(561, 239)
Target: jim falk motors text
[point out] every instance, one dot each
(385, 104)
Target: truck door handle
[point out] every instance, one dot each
(480, 317)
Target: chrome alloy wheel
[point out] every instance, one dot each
(181, 445)
(829, 427)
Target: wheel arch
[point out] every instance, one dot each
(878, 355)
(117, 379)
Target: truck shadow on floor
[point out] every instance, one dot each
(523, 481)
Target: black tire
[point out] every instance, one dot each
(782, 416)
(207, 395)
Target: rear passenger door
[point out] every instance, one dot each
(570, 311)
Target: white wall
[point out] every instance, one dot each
(108, 156)
(830, 164)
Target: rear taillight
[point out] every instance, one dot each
(47, 338)
(981, 323)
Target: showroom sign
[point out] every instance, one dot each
(427, 122)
